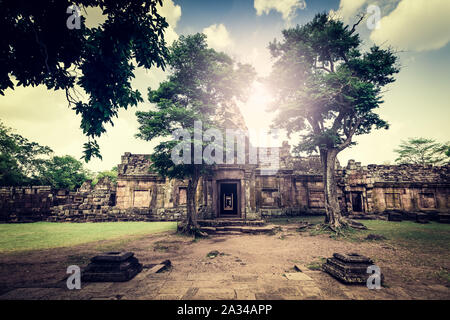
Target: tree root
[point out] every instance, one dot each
(192, 230)
(355, 224)
(340, 227)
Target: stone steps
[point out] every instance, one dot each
(231, 222)
(226, 233)
(444, 218)
(234, 230)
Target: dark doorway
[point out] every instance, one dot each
(357, 204)
(228, 199)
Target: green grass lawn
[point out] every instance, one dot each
(432, 235)
(406, 233)
(45, 235)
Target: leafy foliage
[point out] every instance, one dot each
(422, 151)
(202, 82)
(64, 172)
(37, 48)
(20, 159)
(326, 86)
(111, 174)
(328, 89)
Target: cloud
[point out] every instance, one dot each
(418, 25)
(348, 9)
(218, 37)
(286, 7)
(172, 13)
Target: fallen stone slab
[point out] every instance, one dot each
(298, 276)
(165, 265)
(297, 268)
(373, 236)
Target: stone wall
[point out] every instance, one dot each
(25, 204)
(139, 188)
(382, 188)
(295, 189)
(88, 203)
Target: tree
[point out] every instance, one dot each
(64, 172)
(20, 159)
(202, 83)
(422, 151)
(111, 174)
(38, 48)
(327, 88)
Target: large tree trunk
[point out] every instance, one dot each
(191, 225)
(333, 211)
(333, 218)
(190, 202)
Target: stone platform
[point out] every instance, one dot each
(349, 268)
(112, 267)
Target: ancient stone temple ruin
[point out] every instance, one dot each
(238, 191)
(245, 191)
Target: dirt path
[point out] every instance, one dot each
(249, 267)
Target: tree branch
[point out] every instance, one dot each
(357, 23)
(350, 134)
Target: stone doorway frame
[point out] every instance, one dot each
(238, 198)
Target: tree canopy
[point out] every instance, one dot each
(37, 48)
(20, 159)
(111, 174)
(63, 172)
(27, 163)
(422, 151)
(328, 88)
(202, 82)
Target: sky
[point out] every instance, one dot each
(416, 105)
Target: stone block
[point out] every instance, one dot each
(112, 267)
(349, 268)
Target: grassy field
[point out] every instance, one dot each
(431, 236)
(45, 235)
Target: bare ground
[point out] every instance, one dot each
(249, 267)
